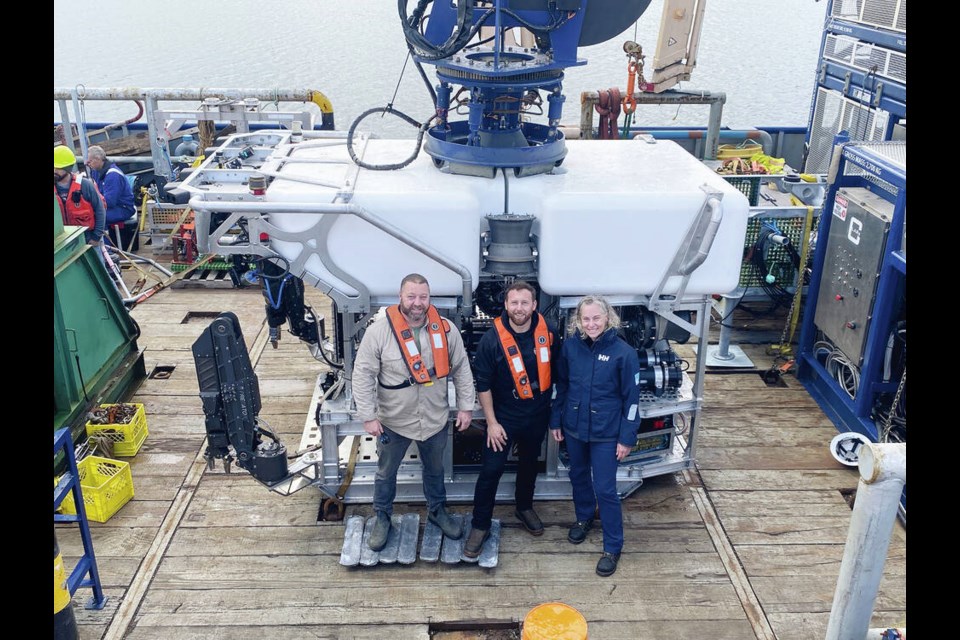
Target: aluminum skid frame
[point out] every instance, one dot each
(333, 438)
(331, 424)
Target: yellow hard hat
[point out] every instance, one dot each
(63, 157)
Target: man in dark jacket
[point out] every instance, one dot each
(514, 369)
(116, 192)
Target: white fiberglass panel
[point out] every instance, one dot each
(609, 220)
(417, 203)
(613, 221)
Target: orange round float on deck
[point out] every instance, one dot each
(554, 621)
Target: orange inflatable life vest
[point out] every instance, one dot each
(437, 328)
(542, 343)
(74, 209)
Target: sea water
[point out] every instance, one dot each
(761, 53)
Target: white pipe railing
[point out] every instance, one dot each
(883, 473)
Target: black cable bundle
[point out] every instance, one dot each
(461, 35)
(762, 266)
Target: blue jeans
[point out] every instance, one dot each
(529, 441)
(593, 474)
(391, 454)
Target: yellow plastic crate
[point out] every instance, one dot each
(106, 485)
(161, 215)
(726, 151)
(126, 438)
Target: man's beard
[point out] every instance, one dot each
(412, 315)
(520, 319)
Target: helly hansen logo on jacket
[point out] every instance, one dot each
(602, 357)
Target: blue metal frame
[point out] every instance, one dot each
(882, 37)
(494, 135)
(892, 95)
(853, 414)
(846, 413)
(832, 75)
(70, 481)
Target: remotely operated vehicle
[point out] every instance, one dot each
(497, 194)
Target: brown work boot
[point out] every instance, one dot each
(474, 543)
(530, 521)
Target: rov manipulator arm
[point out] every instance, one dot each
(231, 401)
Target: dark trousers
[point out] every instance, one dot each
(390, 457)
(593, 474)
(529, 441)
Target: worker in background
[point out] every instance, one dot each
(400, 389)
(597, 412)
(80, 202)
(514, 367)
(117, 193)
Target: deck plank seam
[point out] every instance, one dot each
(728, 557)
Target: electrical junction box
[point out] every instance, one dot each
(855, 248)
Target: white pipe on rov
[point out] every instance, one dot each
(883, 473)
(199, 204)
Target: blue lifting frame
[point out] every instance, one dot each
(854, 414)
(70, 481)
(869, 88)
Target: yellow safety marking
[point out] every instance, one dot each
(61, 593)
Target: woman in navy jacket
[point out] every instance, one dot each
(595, 411)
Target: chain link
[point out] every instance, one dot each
(888, 422)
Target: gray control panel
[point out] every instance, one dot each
(855, 249)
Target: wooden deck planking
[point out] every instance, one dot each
(607, 630)
(776, 503)
(765, 458)
(801, 594)
(89, 620)
(156, 487)
(326, 631)
(777, 490)
(384, 601)
(109, 541)
(715, 435)
(771, 418)
(190, 405)
(237, 499)
(115, 574)
(317, 539)
(787, 561)
(803, 626)
(244, 562)
(527, 565)
(779, 479)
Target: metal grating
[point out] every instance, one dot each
(894, 151)
(889, 14)
(777, 260)
(897, 68)
(882, 13)
(832, 114)
(866, 57)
